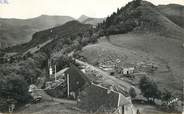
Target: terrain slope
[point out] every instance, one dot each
(18, 31)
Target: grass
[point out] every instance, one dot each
(133, 48)
(149, 109)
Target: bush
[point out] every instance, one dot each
(166, 95)
(132, 92)
(169, 108)
(2, 53)
(63, 61)
(149, 89)
(3, 105)
(137, 3)
(15, 79)
(13, 90)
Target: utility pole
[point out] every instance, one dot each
(55, 73)
(183, 99)
(68, 85)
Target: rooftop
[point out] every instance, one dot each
(96, 98)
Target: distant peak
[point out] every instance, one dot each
(44, 15)
(82, 18)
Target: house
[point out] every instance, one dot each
(129, 70)
(92, 97)
(73, 80)
(98, 99)
(94, 26)
(125, 70)
(106, 67)
(61, 73)
(76, 80)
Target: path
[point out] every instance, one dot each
(124, 85)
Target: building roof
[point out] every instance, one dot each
(61, 72)
(96, 98)
(77, 80)
(116, 88)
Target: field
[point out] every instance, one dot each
(132, 48)
(50, 105)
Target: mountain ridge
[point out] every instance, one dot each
(17, 31)
(174, 12)
(141, 17)
(90, 20)
(137, 34)
(57, 34)
(82, 18)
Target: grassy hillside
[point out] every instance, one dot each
(58, 34)
(18, 31)
(133, 48)
(174, 12)
(146, 36)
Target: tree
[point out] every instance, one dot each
(118, 11)
(2, 53)
(63, 61)
(13, 90)
(132, 92)
(149, 89)
(166, 95)
(3, 104)
(137, 3)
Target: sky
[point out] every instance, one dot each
(94, 8)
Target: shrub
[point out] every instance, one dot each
(13, 89)
(149, 89)
(166, 95)
(132, 92)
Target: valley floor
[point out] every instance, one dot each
(129, 49)
(50, 105)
